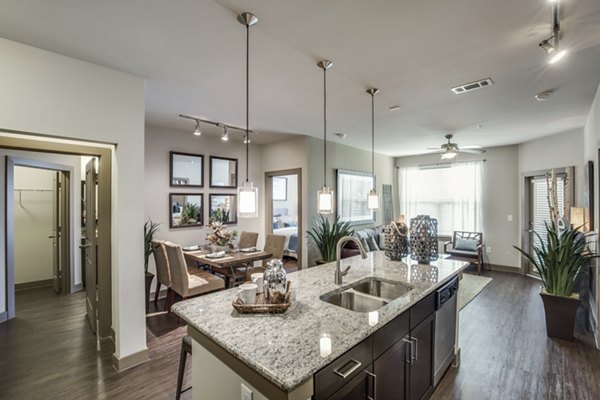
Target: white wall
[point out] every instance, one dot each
(159, 142)
(34, 222)
(54, 95)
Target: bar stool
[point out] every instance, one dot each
(186, 348)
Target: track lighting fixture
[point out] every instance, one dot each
(551, 45)
(224, 133)
(197, 131)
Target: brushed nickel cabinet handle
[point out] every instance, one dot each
(372, 375)
(347, 373)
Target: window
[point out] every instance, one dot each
(452, 194)
(540, 209)
(352, 190)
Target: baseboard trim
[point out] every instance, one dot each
(3, 316)
(130, 361)
(77, 288)
(33, 285)
(161, 295)
(503, 268)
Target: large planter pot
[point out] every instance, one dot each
(149, 277)
(560, 315)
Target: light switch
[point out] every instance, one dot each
(509, 218)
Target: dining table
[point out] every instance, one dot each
(227, 265)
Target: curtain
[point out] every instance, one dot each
(452, 194)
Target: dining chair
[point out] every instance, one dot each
(247, 239)
(274, 244)
(163, 276)
(185, 284)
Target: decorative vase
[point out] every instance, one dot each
(216, 248)
(396, 240)
(275, 280)
(423, 239)
(560, 314)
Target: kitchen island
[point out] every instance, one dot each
(277, 356)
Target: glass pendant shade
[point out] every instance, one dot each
(373, 200)
(248, 201)
(325, 200)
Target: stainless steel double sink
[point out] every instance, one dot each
(367, 295)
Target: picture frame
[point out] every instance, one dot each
(352, 190)
(223, 172)
(186, 210)
(186, 170)
(280, 188)
(222, 207)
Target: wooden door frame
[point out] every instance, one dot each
(269, 205)
(104, 227)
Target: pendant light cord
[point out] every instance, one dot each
(324, 126)
(373, 138)
(247, 96)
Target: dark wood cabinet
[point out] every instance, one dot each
(359, 388)
(391, 371)
(421, 364)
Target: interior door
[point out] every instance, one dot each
(90, 245)
(54, 236)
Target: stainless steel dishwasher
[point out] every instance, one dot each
(445, 328)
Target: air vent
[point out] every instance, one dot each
(467, 87)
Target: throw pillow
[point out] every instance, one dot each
(372, 244)
(365, 244)
(466, 244)
(381, 241)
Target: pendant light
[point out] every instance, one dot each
(247, 193)
(373, 197)
(325, 195)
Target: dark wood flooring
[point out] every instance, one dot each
(48, 352)
(506, 354)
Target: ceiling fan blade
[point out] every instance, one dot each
(472, 151)
(471, 147)
(433, 148)
(433, 151)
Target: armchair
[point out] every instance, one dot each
(466, 246)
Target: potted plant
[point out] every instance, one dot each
(326, 234)
(150, 229)
(558, 260)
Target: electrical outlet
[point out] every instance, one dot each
(246, 393)
(488, 249)
(509, 218)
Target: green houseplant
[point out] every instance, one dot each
(326, 234)
(559, 260)
(150, 228)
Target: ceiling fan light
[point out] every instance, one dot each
(449, 155)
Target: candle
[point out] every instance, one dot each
(325, 345)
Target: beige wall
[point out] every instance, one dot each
(34, 222)
(340, 156)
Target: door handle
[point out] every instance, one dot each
(372, 375)
(52, 237)
(85, 246)
(347, 373)
(416, 354)
(409, 351)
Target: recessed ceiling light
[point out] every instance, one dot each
(543, 96)
(394, 108)
(341, 135)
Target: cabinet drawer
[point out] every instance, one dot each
(422, 310)
(389, 334)
(343, 369)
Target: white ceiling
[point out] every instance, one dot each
(192, 55)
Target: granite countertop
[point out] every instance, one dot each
(286, 348)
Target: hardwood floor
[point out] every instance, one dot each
(506, 354)
(48, 352)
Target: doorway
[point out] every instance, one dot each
(283, 204)
(537, 208)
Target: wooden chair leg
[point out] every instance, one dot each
(157, 291)
(169, 300)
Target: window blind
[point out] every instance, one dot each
(540, 209)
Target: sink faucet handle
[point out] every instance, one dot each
(346, 270)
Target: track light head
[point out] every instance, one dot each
(548, 45)
(556, 57)
(225, 133)
(197, 131)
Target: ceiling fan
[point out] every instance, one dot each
(450, 150)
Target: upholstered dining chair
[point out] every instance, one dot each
(273, 244)
(247, 239)
(163, 276)
(185, 284)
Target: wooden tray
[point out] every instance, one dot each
(262, 306)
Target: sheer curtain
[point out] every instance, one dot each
(452, 194)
